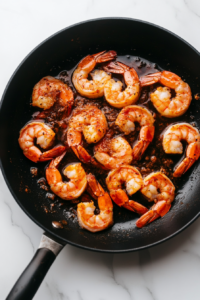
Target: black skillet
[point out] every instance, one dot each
(60, 52)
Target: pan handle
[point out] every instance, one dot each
(30, 280)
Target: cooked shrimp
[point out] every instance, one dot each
(85, 210)
(113, 90)
(161, 98)
(133, 181)
(126, 119)
(172, 144)
(50, 90)
(66, 190)
(158, 188)
(44, 136)
(112, 153)
(89, 121)
(92, 88)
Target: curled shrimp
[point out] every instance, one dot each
(133, 181)
(92, 88)
(112, 153)
(85, 210)
(66, 190)
(126, 119)
(113, 90)
(89, 121)
(158, 188)
(161, 98)
(44, 137)
(50, 90)
(172, 144)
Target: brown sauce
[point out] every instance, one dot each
(154, 158)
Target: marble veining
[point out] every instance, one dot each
(167, 271)
(16, 225)
(193, 6)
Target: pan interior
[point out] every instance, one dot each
(62, 52)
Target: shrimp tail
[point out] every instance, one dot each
(147, 218)
(97, 192)
(183, 167)
(94, 188)
(50, 154)
(81, 153)
(105, 203)
(121, 199)
(116, 67)
(55, 162)
(158, 210)
(146, 136)
(192, 154)
(139, 149)
(131, 77)
(135, 207)
(85, 157)
(150, 79)
(104, 56)
(52, 174)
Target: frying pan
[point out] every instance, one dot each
(61, 52)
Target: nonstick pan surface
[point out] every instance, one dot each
(61, 52)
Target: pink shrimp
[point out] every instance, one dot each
(161, 98)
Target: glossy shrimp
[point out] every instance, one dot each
(126, 119)
(113, 152)
(85, 210)
(157, 188)
(113, 90)
(172, 138)
(44, 137)
(89, 121)
(133, 181)
(92, 88)
(161, 98)
(49, 91)
(74, 172)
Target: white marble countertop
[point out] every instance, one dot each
(168, 271)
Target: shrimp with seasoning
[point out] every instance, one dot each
(92, 88)
(45, 138)
(113, 90)
(66, 190)
(89, 121)
(49, 91)
(112, 153)
(133, 181)
(161, 98)
(158, 188)
(172, 144)
(126, 119)
(85, 210)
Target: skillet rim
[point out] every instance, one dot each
(51, 233)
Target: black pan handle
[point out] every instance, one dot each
(30, 280)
